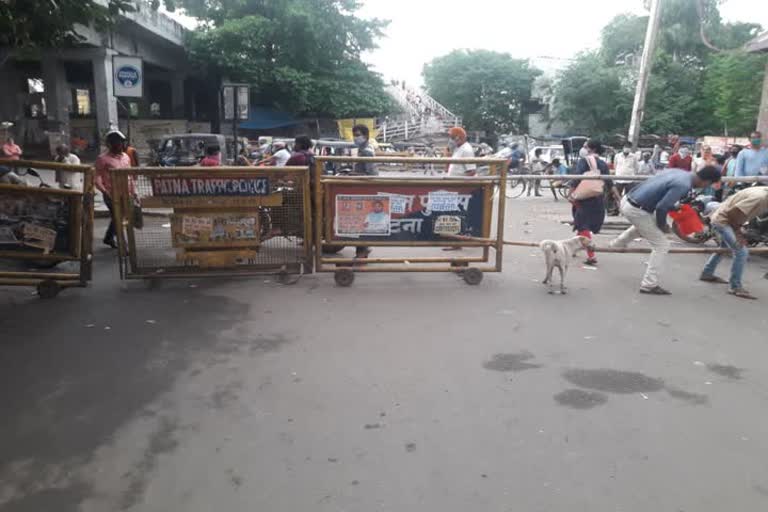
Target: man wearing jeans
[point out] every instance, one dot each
(728, 221)
(646, 208)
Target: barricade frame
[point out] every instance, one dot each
(471, 268)
(129, 251)
(81, 206)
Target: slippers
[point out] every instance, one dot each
(742, 294)
(656, 290)
(713, 279)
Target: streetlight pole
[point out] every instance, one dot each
(649, 48)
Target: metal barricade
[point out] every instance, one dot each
(215, 221)
(46, 233)
(408, 209)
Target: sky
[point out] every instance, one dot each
(547, 31)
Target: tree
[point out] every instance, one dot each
(36, 24)
(298, 55)
(693, 88)
(491, 91)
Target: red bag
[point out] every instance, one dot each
(687, 220)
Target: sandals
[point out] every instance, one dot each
(741, 293)
(712, 279)
(656, 290)
(591, 262)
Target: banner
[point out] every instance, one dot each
(415, 213)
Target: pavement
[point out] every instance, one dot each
(404, 392)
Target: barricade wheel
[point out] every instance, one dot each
(473, 276)
(48, 289)
(344, 277)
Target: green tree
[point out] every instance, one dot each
(491, 91)
(35, 24)
(693, 88)
(734, 83)
(298, 55)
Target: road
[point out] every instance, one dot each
(402, 393)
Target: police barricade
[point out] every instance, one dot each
(46, 233)
(175, 222)
(406, 208)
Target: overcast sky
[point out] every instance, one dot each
(421, 30)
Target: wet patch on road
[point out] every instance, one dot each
(162, 441)
(262, 344)
(691, 398)
(727, 371)
(66, 499)
(580, 399)
(511, 362)
(410, 447)
(226, 395)
(613, 381)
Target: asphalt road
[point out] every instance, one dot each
(402, 393)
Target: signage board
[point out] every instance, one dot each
(128, 74)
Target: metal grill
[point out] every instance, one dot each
(222, 221)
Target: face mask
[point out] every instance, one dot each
(626, 151)
(359, 140)
(684, 153)
(757, 142)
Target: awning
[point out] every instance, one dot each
(262, 118)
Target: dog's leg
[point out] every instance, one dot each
(548, 272)
(563, 272)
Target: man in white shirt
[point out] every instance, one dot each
(67, 179)
(281, 156)
(460, 148)
(626, 164)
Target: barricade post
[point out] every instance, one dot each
(46, 231)
(409, 210)
(177, 222)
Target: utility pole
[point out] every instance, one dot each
(649, 48)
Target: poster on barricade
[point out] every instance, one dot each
(36, 222)
(214, 230)
(414, 212)
(362, 215)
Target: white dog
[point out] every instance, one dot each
(558, 255)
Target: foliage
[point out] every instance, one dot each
(491, 91)
(34, 24)
(298, 55)
(692, 88)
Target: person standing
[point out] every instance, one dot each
(281, 155)
(361, 136)
(753, 161)
(516, 158)
(728, 221)
(302, 152)
(682, 159)
(646, 167)
(460, 148)
(625, 164)
(66, 179)
(11, 150)
(589, 214)
(538, 166)
(706, 159)
(113, 158)
(646, 208)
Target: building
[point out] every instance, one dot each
(760, 44)
(67, 95)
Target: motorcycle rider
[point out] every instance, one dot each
(728, 221)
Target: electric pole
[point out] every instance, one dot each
(649, 48)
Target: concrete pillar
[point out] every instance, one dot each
(762, 118)
(178, 104)
(57, 99)
(104, 92)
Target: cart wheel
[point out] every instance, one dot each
(48, 289)
(473, 276)
(344, 277)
